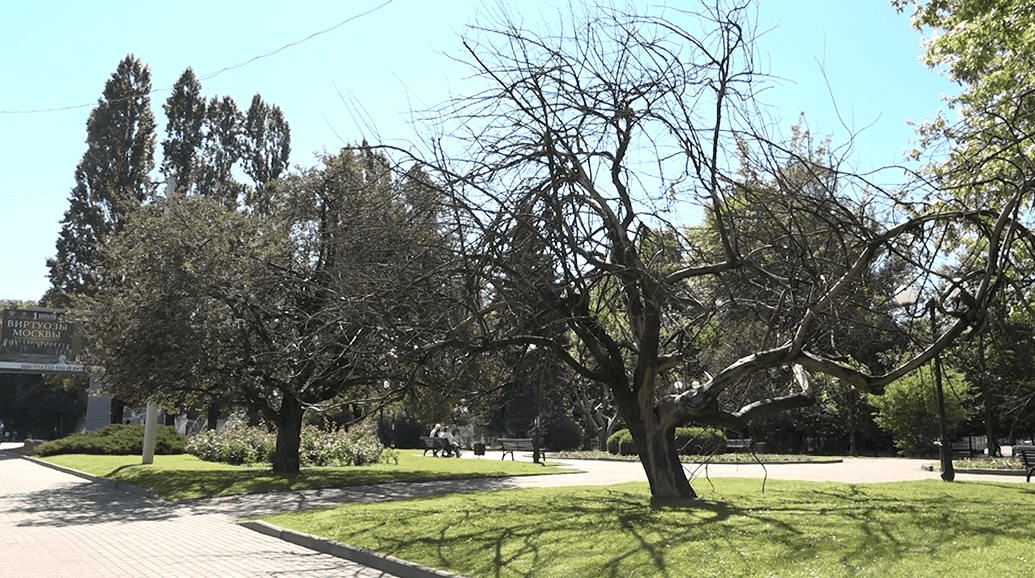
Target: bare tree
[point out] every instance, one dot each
(606, 137)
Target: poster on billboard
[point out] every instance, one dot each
(40, 341)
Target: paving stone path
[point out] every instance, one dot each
(53, 523)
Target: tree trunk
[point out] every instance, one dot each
(117, 411)
(289, 436)
(213, 417)
(657, 452)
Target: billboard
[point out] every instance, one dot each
(40, 341)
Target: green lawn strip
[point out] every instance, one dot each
(185, 477)
(793, 529)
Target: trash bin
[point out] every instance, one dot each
(479, 449)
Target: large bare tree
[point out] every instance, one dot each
(608, 135)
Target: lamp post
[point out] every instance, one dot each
(906, 296)
(948, 473)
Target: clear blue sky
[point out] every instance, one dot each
(57, 54)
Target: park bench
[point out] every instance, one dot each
(434, 444)
(510, 445)
(1027, 456)
(973, 445)
(745, 445)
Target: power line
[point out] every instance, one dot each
(222, 70)
(33, 194)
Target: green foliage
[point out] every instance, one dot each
(236, 444)
(356, 447)
(909, 412)
(699, 440)
(792, 529)
(562, 434)
(614, 443)
(112, 180)
(239, 444)
(401, 430)
(689, 440)
(115, 439)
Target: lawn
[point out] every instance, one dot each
(180, 477)
(793, 529)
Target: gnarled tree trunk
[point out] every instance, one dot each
(660, 460)
(289, 436)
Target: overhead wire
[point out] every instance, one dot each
(221, 70)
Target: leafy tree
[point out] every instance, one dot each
(112, 180)
(610, 128)
(318, 300)
(907, 408)
(985, 157)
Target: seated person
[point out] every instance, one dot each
(451, 445)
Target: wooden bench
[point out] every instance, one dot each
(1027, 456)
(510, 445)
(435, 444)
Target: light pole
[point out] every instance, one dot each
(948, 473)
(905, 296)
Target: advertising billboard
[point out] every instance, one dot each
(40, 341)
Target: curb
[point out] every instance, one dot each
(121, 486)
(982, 471)
(369, 558)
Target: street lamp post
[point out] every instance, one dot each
(906, 296)
(948, 473)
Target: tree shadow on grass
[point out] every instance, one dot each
(848, 527)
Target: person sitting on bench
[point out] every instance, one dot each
(451, 444)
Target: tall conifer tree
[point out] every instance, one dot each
(112, 179)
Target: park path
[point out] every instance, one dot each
(55, 523)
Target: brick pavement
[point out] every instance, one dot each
(54, 524)
(57, 524)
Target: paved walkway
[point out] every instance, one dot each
(57, 524)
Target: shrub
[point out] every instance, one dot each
(356, 447)
(401, 431)
(689, 441)
(115, 439)
(563, 434)
(907, 409)
(239, 444)
(614, 443)
(699, 440)
(236, 444)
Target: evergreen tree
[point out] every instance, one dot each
(185, 109)
(222, 148)
(267, 142)
(112, 179)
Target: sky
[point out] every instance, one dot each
(343, 71)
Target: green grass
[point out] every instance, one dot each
(184, 477)
(794, 529)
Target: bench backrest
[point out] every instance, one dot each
(1026, 453)
(516, 443)
(429, 441)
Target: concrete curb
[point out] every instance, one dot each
(121, 486)
(368, 558)
(981, 471)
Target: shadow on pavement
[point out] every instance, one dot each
(81, 504)
(252, 505)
